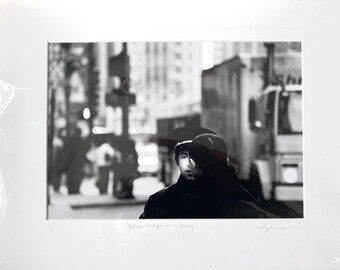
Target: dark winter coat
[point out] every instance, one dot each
(205, 198)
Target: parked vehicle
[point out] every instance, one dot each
(275, 115)
(261, 125)
(148, 162)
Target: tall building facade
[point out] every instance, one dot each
(226, 50)
(166, 78)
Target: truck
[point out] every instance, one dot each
(260, 121)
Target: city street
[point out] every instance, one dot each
(91, 205)
(128, 211)
(134, 210)
(113, 110)
(284, 209)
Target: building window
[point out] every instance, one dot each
(156, 49)
(147, 48)
(177, 85)
(165, 63)
(247, 47)
(156, 76)
(237, 48)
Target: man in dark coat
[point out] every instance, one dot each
(168, 202)
(212, 192)
(218, 195)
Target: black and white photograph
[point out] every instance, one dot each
(169, 135)
(175, 130)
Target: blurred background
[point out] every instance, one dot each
(109, 103)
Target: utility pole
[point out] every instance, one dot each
(270, 69)
(126, 88)
(121, 96)
(90, 84)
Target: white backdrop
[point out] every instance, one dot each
(29, 241)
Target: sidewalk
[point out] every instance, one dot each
(89, 197)
(78, 201)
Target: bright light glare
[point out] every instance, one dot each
(258, 124)
(290, 175)
(86, 113)
(84, 61)
(78, 50)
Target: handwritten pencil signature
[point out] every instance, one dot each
(264, 229)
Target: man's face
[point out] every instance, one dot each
(195, 169)
(184, 164)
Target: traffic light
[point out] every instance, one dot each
(119, 64)
(94, 92)
(120, 95)
(119, 70)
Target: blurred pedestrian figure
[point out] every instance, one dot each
(76, 149)
(102, 156)
(58, 159)
(126, 171)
